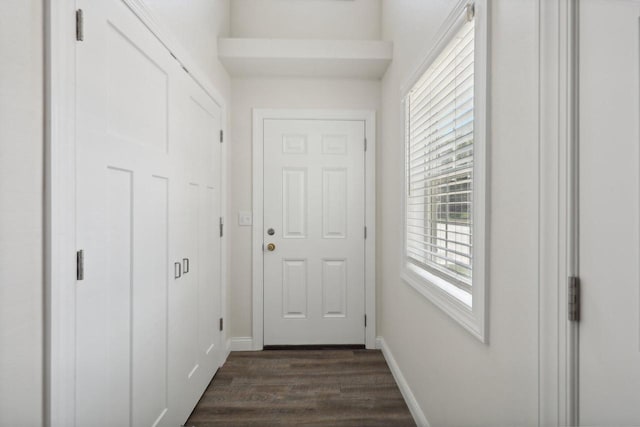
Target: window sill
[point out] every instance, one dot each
(447, 297)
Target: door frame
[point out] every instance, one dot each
(60, 198)
(369, 119)
(558, 136)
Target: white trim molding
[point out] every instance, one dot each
(60, 239)
(369, 118)
(469, 309)
(165, 36)
(242, 344)
(558, 86)
(227, 348)
(415, 409)
(258, 57)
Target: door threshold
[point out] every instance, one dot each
(316, 347)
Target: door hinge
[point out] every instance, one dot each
(221, 227)
(365, 144)
(221, 136)
(365, 232)
(221, 324)
(79, 25)
(80, 265)
(365, 320)
(573, 299)
(470, 11)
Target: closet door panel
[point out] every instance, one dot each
(195, 297)
(123, 170)
(204, 123)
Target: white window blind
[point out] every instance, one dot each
(439, 163)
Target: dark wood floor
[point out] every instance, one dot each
(303, 388)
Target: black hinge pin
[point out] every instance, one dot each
(573, 299)
(80, 265)
(79, 25)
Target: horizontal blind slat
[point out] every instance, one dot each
(434, 98)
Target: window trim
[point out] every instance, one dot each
(469, 310)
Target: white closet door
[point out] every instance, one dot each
(123, 180)
(314, 216)
(195, 297)
(609, 336)
(148, 195)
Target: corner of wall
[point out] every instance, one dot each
(414, 407)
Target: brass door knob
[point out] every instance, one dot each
(271, 247)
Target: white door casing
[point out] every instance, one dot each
(148, 194)
(609, 215)
(314, 205)
(319, 282)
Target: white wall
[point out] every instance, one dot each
(456, 379)
(197, 26)
(308, 19)
(272, 93)
(21, 212)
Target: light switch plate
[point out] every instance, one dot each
(245, 219)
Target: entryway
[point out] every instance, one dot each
(313, 230)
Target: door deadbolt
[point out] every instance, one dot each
(271, 247)
(271, 232)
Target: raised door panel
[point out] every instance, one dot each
(294, 144)
(127, 90)
(209, 295)
(294, 288)
(294, 203)
(103, 307)
(150, 304)
(334, 203)
(334, 287)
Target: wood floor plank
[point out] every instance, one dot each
(330, 387)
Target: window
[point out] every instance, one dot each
(444, 170)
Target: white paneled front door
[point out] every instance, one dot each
(314, 242)
(609, 328)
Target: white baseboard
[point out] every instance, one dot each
(242, 344)
(227, 348)
(409, 398)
